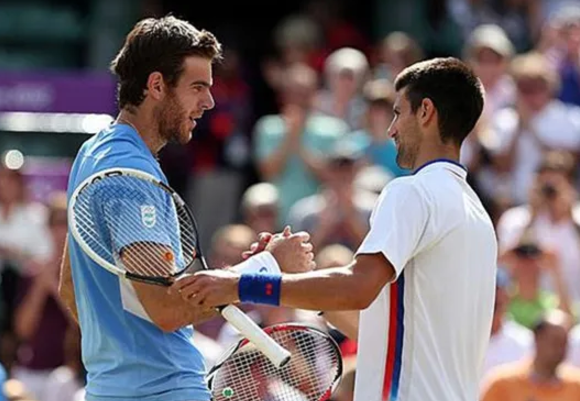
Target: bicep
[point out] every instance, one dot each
(372, 272)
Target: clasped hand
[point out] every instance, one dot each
(212, 288)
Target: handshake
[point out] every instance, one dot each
(211, 288)
(293, 252)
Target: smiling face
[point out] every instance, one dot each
(405, 131)
(186, 101)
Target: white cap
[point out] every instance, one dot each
(347, 58)
(261, 194)
(490, 36)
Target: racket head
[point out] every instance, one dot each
(312, 374)
(134, 225)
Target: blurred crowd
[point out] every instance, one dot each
(321, 160)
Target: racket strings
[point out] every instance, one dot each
(249, 376)
(123, 212)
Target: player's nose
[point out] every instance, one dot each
(208, 102)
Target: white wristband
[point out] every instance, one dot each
(263, 262)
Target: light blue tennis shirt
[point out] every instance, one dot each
(126, 356)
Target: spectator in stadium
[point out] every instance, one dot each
(23, 235)
(536, 124)
(527, 264)
(543, 377)
(65, 382)
(40, 320)
(561, 43)
(372, 138)
(260, 208)
(345, 72)
(397, 51)
(340, 212)
(228, 244)
(289, 146)
(550, 220)
(489, 52)
(225, 250)
(509, 341)
(328, 257)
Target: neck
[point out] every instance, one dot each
(542, 372)
(432, 152)
(144, 123)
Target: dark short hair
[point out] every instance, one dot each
(158, 44)
(453, 88)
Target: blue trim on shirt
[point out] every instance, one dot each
(442, 160)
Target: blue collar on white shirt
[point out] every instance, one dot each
(442, 160)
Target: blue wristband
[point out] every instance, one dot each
(260, 288)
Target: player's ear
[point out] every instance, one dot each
(426, 111)
(156, 85)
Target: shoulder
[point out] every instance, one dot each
(570, 373)
(508, 373)
(401, 191)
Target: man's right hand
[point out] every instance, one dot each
(293, 252)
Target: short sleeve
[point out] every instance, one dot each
(397, 224)
(135, 216)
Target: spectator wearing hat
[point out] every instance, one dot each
(372, 139)
(345, 72)
(537, 123)
(290, 146)
(509, 341)
(340, 212)
(260, 208)
(489, 52)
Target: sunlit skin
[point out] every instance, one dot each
(416, 134)
(169, 112)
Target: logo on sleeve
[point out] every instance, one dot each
(148, 216)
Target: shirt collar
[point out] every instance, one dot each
(442, 163)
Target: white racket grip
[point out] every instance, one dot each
(278, 355)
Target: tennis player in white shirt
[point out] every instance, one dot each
(424, 276)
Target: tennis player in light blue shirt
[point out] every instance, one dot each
(136, 338)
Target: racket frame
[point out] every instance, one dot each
(112, 172)
(277, 354)
(295, 326)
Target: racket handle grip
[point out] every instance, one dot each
(278, 355)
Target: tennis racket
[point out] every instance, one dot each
(313, 373)
(137, 227)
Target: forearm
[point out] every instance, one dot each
(328, 290)
(29, 312)
(346, 322)
(169, 311)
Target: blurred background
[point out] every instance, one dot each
(298, 136)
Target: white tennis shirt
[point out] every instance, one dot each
(424, 338)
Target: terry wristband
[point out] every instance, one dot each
(263, 262)
(260, 288)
